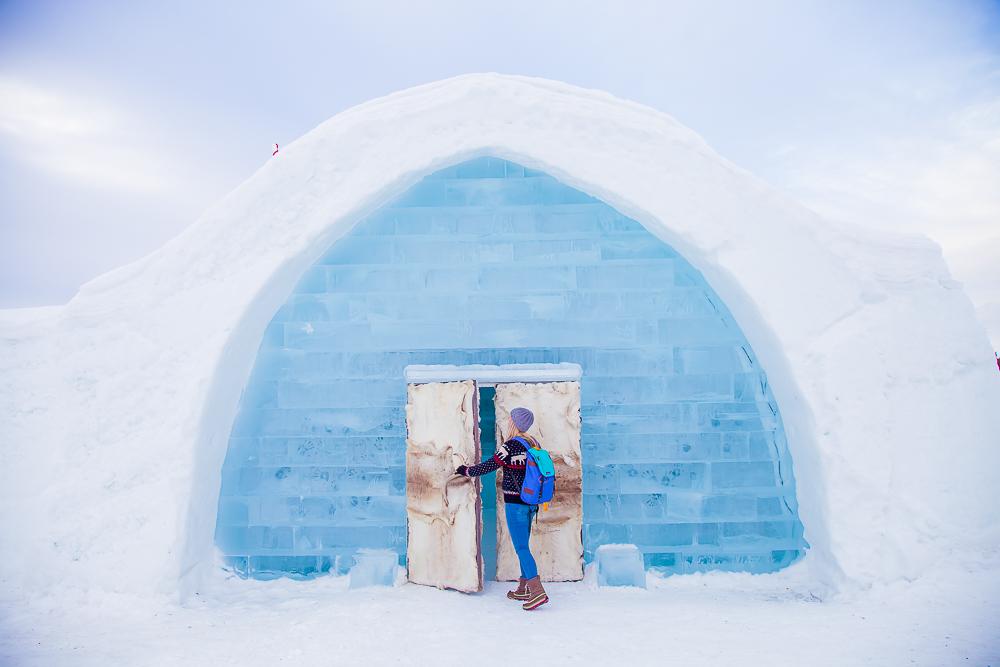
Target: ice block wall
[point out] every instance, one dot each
(487, 262)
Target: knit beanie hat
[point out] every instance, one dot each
(523, 419)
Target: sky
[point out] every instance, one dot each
(120, 122)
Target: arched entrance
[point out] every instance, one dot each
(487, 262)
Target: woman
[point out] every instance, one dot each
(511, 456)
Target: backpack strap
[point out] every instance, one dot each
(527, 441)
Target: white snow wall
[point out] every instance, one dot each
(116, 410)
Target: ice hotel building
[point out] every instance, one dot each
(728, 379)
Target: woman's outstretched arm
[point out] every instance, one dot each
(489, 465)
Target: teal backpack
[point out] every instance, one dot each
(539, 475)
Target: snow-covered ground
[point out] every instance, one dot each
(947, 617)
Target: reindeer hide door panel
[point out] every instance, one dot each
(443, 511)
(556, 537)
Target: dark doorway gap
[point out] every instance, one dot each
(487, 427)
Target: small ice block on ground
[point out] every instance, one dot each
(620, 565)
(374, 567)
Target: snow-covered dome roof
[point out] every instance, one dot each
(118, 406)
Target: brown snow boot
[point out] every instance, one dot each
(522, 590)
(536, 594)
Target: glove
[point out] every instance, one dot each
(462, 470)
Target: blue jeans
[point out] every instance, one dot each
(519, 526)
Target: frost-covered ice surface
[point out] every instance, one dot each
(374, 567)
(946, 618)
(115, 412)
(619, 565)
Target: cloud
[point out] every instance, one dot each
(89, 142)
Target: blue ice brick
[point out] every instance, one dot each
(617, 390)
(661, 561)
(715, 387)
(544, 306)
(281, 510)
(754, 533)
(730, 417)
(736, 475)
(697, 331)
(626, 508)
(373, 567)
(600, 479)
(599, 507)
(662, 534)
(556, 250)
(559, 221)
(750, 387)
(651, 448)
(707, 360)
(656, 273)
(334, 510)
(596, 534)
(594, 305)
(248, 480)
(426, 221)
(783, 558)
(316, 450)
(340, 393)
(620, 565)
(662, 302)
(322, 538)
(419, 334)
(395, 307)
(479, 251)
(637, 419)
(613, 222)
(620, 247)
(377, 452)
(296, 567)
(382, 421)
(684, 505)
(742, 562)
(316, 336)
(770, 507)
(551, 278)
(345, 480)
(242, 451)
(369, 510)
(707, 534)
(599, 450)
(273, 451)
(659, 477)
(731, 507)
(735, 445)
(591, 412)
(250, 539)
(233, 511)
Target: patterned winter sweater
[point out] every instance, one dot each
(510, 456)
